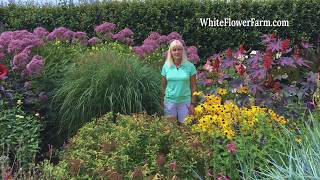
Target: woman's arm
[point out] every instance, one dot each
(193, 87)
(163, 89)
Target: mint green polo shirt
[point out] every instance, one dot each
(178, 82)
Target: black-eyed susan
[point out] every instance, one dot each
(221, 91)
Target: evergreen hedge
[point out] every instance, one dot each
(182, 16)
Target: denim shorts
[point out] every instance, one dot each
(177, 110)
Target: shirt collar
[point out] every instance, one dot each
(182, 64)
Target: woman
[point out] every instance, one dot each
(178, 83)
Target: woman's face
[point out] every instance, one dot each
(176, 52)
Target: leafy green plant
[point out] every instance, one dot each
(300, 157)
(58, 57)
(105, 80)
(136, 146)
(19, 135)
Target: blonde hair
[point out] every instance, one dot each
(174, 43)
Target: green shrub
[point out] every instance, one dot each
(137, 147)
(141, 144)
(105, 80)
(19, 136)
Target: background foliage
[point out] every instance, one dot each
(182, 16)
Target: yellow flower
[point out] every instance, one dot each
(188, 119)
(298, 140)
(197, 93)
(243, 90)
(221, 91)
(199, 109)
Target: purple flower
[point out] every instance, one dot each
(311, 105)
(275, 46)
(80, 35)
(93, 41)
(119, 37)
(5, 38)
(105, 27)
(148, 49)
(192, 50)
(258, 74)
(152, 43)
(20, 60)
(22, 34)
(27, 50)
(16, 46)
(222, 77)
(35, 66)
(301, 62)
(305, 44)
(163, 39)
(138, 50)
(174, 35)
(154, 36)
(57, 33)
(36, 42)
(286, 61)
(255, 58)
(40, 32)
(201, 75)
(67, 36)
(228, 62)
(127, 32)
(194, 58)
(266, 38)
(254, 88)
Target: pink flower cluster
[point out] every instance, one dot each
(124, 36)
(193, 56)
(106, 29)
(16, 41)
(155, 40)
(93, 41)
(19, 44)
(231, 147)
(151, 44)
(66, 35)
